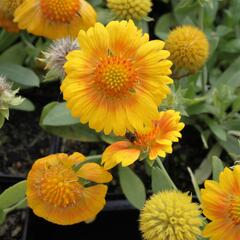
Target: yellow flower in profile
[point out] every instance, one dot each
(170, 215)
(55, 18)
(7, 9)
(189, 48)
(117, 79)
(63, 196)
(130, 9)
(155, 141)
(221, 204)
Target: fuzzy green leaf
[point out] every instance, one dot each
(132, 187)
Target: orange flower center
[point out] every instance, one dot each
(148, 138)
(60, 11)
(115, 76)
(234, 212)
(60, 187)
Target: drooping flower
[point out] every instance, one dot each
(63, 196)
(130, 9)
(189, 48)
(55, 19)
(170, 215)
(221, 204)
(7, 9)
(55, 56)
(154, 141)
(8, 99)
(118, 78)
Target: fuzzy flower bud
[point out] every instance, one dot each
(170, 215)
(7, 99)
(189, 48)
(130, 9)
(55, 56)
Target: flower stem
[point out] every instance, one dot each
(201, 26)
(89, 159)
(94, 158)
(160, 164)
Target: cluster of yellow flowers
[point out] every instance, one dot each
(115, 80)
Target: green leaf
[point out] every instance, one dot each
(217, 166)
(132, 187)
(195, 184)
(6, 39)
(20, 75)
(232, 145)
(59, 115)
(164, 24)
(15, 54)
(232, 124)
(216, 128)
(13, 195)
(2, 216)
(230, 76)
(111, 138)
(159, 181)
(232, 46)
(75, 131)
(205, 168)
(26, 105)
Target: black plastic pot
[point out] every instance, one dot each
(118, 221)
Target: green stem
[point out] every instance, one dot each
(160, 164)
(201, 18)
(89, 159)
(201, 26)
(94, 157)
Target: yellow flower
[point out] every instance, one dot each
(57, 193)
(221, 204)
(155, 141)
(7, 9)
(117, 79)
(189, 48)
(130, 9)
(170, 215)
(55, 18)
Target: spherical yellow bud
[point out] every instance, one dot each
(130, 9)
(170, 215)
(189, 48)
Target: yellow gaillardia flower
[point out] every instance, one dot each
(7, 9)
(154, 141)
(170, 215)
(63, 196)
(55, 18)
(130, 9)
(221, 204)
(117, 79)
(189, 48)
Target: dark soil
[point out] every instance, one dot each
(21, 139)
(13, 227)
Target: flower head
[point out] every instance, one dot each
(130, 9)
(55, 19)
(63, 196)
(189, 48)
(7, 9)
(170, 215)
(221, 203)
(55, 56)
(117, 79)
(154, 141)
